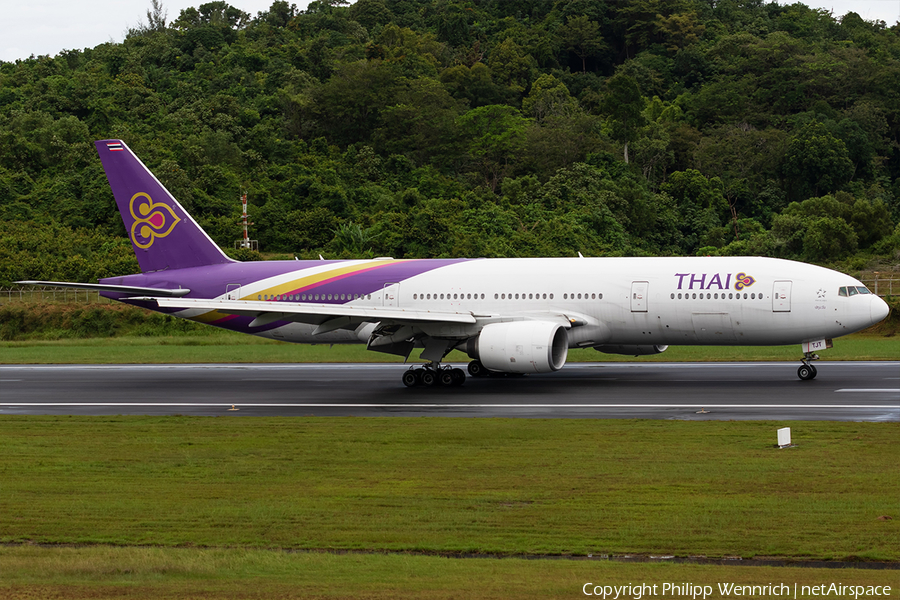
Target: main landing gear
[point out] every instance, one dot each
(807, 371)
(433, 375)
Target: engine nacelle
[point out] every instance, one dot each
(632, 350)
(521, 347)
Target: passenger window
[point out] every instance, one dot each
(672, 296)
(695, 296)
(745, 295)
(753, 296)
(679, 295)
(551, 296)
(565, 296)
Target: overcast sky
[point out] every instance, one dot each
(49, 26)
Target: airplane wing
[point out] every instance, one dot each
(269, 312)
(127, 290)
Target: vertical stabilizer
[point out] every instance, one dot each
(162, 233)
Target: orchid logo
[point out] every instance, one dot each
(742, 280)
(156, 220)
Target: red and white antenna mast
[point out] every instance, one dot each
(246, 242)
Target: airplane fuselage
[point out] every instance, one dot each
(628, 301)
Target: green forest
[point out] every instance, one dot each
(467, 128)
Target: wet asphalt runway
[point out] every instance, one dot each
(853, 391)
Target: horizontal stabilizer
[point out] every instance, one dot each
(127, 290)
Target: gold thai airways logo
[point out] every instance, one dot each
(151, 220)
(742, 280)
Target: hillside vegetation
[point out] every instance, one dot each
(468, 128)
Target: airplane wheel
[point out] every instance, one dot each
(447, 378)
(459, 376)
(410, 379)
(806, 372)
(476, 369)
(815, 372)
(428, 378)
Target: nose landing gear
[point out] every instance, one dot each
(807, 371)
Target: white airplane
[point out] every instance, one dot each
(511, 316)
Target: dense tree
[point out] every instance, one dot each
(816, 161)
(625, 105)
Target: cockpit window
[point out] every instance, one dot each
(853, 290)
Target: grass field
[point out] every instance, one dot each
(451, 485)
(98, 573)
(228, 347)
(192, 507)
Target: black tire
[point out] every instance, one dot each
(476, 369)
(459, 376)
(806, 372)
(815, 372)
(410, 379)
(428, 378)
(446, 378)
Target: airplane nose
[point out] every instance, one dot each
(879, 309)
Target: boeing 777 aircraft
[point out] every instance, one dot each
(511, 316)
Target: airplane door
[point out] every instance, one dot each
(781, 297)
(639, 290)
(233, 291)
(391, 294)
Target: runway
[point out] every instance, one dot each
(852, 391)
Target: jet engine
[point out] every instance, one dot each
(632, 350)
(521, 347)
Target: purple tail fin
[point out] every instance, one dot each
(162, 233)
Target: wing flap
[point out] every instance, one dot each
(288, 311)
